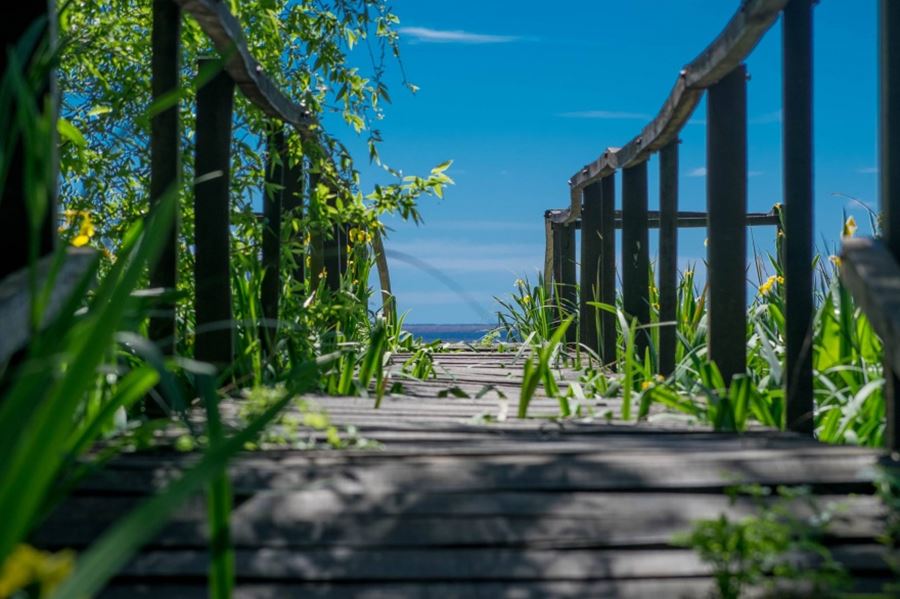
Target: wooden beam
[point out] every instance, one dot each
(635, 253)
(591, 244)
(889, 190)
(212, 220)
(564, 283)
(667, 267)
(271, 236)
(165, 160)
(21, 243)
(683, 219)
(292, 206)
(608, 320)
(726, 189)
(798, 211)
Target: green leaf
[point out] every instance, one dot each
(69, 132)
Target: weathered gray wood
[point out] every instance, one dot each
(384, 278)
(635, 252)
(565, 289)
(683, 219)
(226, 33)
(608, 270)
(727, 51)
(16, 299)
(726, 200)
(292, 204)
(591, 252)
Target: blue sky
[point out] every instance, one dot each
(521, 95)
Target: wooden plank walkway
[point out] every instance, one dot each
(456, 502)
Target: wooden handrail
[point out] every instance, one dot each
(684, 220)
(225, 32)
(737, 40)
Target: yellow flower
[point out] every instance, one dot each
(520, 283)
(836, 260)
(85, 230)
(849, 227)
(766, 287)
(646, 385)
(526, 299)
(27, 566)
(80, 240)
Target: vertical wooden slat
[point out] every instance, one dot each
(271, 236)
(591, 243)
(165, 158)
(667, 267)
(384, 278)
(212, 299)
(292, 204)
(16, 240)
(726, 198)
(635, 254)
(889, 169)
(798, 212)
(549, 259)
(316, 241)
(333, 247)
(608, 267)
(564, 274)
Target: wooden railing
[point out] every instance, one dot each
(719, 72)
(285, 185)
(869, 267)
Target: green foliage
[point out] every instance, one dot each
(538, 369)
(769, 548)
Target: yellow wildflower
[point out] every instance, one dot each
(85, 231)
(646, 385)
(836, 260)
(526, 299)
(520, 283)
(849, 227)
(27, 566)
(766, 287)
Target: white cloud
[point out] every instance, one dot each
(443, 36)
(868, 170)
(700, 171)
(612, 115)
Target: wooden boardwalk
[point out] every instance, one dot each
(457, 502)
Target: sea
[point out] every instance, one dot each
(449, 333)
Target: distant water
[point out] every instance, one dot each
(449, 333)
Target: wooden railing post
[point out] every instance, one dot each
(271, 235)
(798, 212)
(212, 216)
(635, 253)
(608, 320)
(889, 172)
(292, 205)
(591, 246)
(564, 283)
(726, 199)
(16, 240)
(165, 159)
(316, 243)
(667, 267)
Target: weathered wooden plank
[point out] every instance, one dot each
(565, 289)
(608, 269)
(797, 74)
(165, 159)
(635, 251)
(726, 52)
(726, 199)
(18, 234)
(685, 219)
(667, 267)
(212, 217)
(273, 194)
(533, 520)
(889, 178)
(457, 564)
(585, 472)
(227, 35)
(16, 300)
(591, 253)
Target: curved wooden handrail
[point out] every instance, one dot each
(226, 33)
(727, 51)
